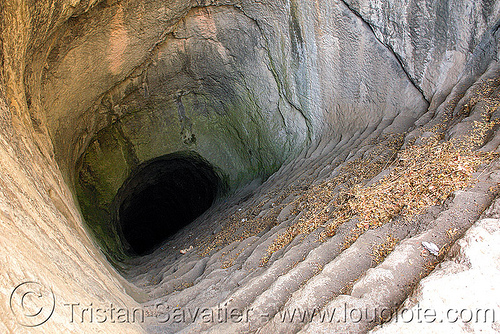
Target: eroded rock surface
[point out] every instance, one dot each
(300, 108)
(461, 293)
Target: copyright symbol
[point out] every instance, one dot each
(32, 304)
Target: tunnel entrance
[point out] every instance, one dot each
(161, 197)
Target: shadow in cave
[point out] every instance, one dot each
(162, 196)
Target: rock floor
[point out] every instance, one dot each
(279, 249)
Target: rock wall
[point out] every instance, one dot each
(89, 90)
(43, 240)
(229, 81)
(433, 39)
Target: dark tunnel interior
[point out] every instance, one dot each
(161, 197)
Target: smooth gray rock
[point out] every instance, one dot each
(293, 89)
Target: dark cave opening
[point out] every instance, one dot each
(161, 197)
